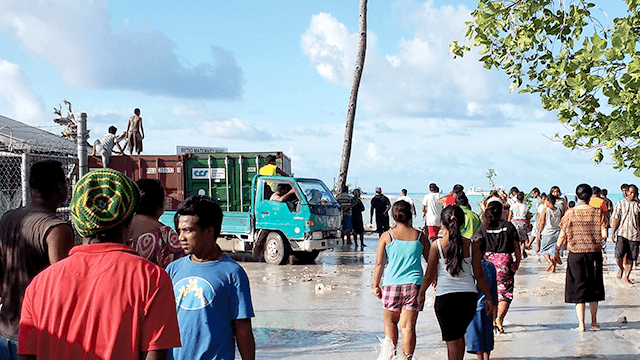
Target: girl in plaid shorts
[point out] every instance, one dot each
(399, 252)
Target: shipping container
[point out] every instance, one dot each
(226, 177)
(169, 169)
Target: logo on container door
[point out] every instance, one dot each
(204, 174)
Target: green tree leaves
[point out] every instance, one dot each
(588, 74)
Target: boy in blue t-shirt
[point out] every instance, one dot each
(212, 291)
(480, 330)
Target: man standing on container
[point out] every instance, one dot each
(432, 210)
(31, 238)
(381, 205)
(135, 132)
(211, 290)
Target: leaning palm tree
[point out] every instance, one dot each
(351, 113)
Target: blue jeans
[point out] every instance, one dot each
(8, 349)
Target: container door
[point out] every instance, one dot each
(208, 175)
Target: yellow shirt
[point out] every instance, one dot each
(269, 170)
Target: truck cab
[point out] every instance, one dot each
(303, 225)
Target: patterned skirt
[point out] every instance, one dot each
(504, 274)
(523, 229)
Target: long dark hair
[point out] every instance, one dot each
(452, 218)
(492, 214)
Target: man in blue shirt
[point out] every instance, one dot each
(212, 291)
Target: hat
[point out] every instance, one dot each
(379, 190)
(103, 199)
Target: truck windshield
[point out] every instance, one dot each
(316, 192)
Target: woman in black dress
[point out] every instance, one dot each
(356, 219)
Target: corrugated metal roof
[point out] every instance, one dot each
(16, 136)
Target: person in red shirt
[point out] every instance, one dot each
(103, 301)
(450, 198)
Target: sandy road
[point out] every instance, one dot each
(326, 311)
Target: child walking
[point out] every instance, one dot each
(480, 330)
(399, 252)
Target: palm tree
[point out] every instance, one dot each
(351, 113)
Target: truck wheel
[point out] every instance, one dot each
(275, 250)
(307, 257)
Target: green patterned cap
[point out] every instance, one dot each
(103, 199)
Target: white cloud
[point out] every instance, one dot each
(422, 79)
(372, 152)
(78, 39)
(15, 89)
(329, 45)
(235, 129)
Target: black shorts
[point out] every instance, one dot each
(454, 312)
(626, 247)
(382, 223)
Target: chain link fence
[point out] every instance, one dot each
(14, 179)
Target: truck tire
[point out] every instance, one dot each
(307, 257)
(275, 249)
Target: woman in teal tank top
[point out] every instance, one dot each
(399, 256)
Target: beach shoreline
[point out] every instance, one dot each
(327, 311)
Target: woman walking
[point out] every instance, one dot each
(454, 262)
(503, 243)
(548, 231)
(583, 228)
(518, 215)
(401, 248)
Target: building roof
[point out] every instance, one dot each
(16, 136)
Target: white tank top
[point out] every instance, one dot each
(464, 282)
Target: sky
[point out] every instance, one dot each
(276, 76)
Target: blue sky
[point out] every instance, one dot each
(276, 76)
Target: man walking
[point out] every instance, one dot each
(103, 301)
(381, 205)
(625, 224)
(211, 290)
(403, 196)
(31, 238)
(432, 209)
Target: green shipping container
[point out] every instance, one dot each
(226, 177)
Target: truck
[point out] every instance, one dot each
(306, 224)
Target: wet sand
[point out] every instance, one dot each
(327, 311)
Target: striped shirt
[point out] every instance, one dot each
(628, 215)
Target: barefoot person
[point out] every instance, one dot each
(548, 230)
(455, 262)
(583, 228)
(502, 244)
(518, 215)
(399, 252)
(625, 224)
(135, 132)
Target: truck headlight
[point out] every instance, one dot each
(316, 235)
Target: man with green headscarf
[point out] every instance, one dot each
(103, 301)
